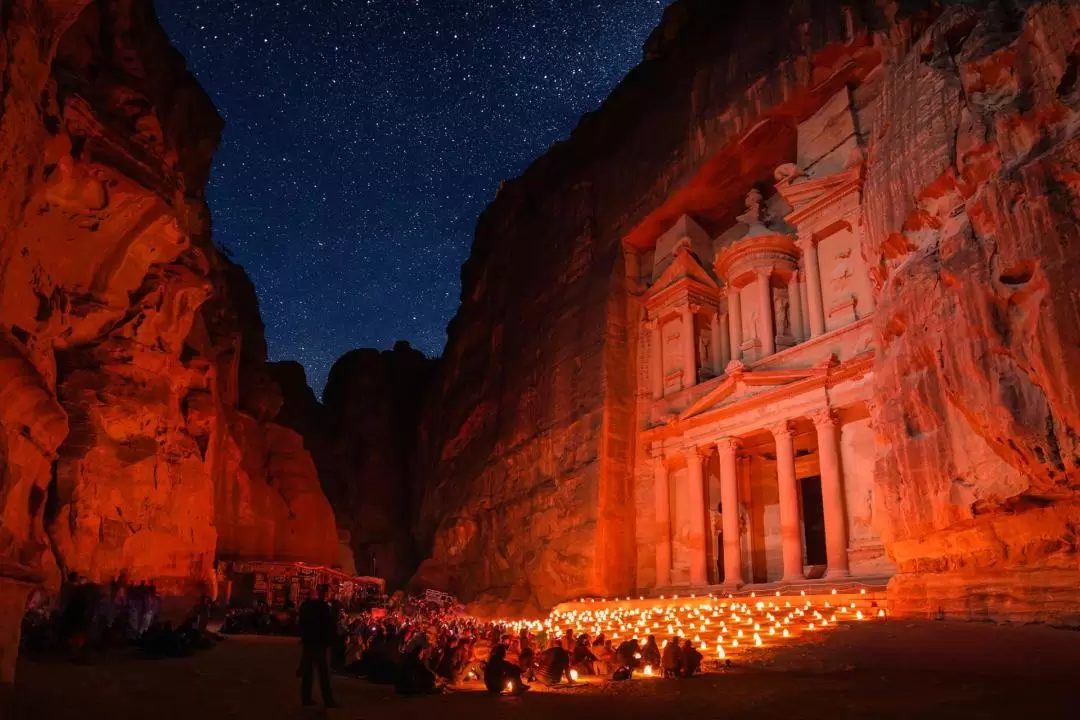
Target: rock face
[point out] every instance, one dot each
(972, 202)
(970, 206)
(372, 406)
(128, 443)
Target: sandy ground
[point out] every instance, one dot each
(893, 669)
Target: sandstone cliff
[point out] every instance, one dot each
(367, 458)
(972, 208)
(126, 447)
(971, 211)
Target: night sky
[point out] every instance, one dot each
(364, 137)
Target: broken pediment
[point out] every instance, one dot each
(684, 269)
(686, 232)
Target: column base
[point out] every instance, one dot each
(837, 574)
(794, 578)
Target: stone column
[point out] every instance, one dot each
(832, 493)
(794, 293)
(768, 324)
(735, 322)
(724, 355)
(699, 574)
(718, 350)
(729, 499)
(656, 358)
(813, 285)
(663, 521)
(790, 524)
(689, 370)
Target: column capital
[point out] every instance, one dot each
(825, 417)
(651, 324)
(656, 453)
(784, 428)
(764, 273)
(728, 446)
(696, 453)
(694, 308)
(806, 241)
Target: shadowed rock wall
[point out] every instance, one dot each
(125, 446)
(367, 458)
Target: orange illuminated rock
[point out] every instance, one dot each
(971, 205)
(123, 433)
(954, 131)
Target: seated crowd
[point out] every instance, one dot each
(424, 651)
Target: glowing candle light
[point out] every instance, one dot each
(786, 633)
(859, 615)
(881, 613)
(704, 646)
(740, 633)
(510, 687)
(810, 626)
(734, 643)
(573, 675)
(757, 639)
(648, 671)
(720, 652)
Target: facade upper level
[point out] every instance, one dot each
(785, 289)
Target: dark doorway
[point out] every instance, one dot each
(813, 520)
(720, 557)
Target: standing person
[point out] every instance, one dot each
(317, 629)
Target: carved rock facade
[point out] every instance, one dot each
(913, 171)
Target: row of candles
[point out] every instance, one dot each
(717, 627)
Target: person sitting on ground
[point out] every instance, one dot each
(582, 658)
(552, 665)
(500, 675)
(691, 659)
(605, 659)
(650, 654)
(628, 656)
(672, 659)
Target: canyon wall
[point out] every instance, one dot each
(528, 440)
(972, 201)
(128, 445)
(367, 458)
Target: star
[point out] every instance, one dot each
(364, 137)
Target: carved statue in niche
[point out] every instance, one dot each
(755, 213)
(780, 310)
(755, 326)
(703, 349)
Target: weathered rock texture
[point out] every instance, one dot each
(971, 212)
(367, 461)
(972, 206)
(126, 447)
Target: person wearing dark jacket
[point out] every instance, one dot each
(691, 659)
(317, 630)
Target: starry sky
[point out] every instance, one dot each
(364, 137)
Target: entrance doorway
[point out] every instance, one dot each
(813, 512)
(720, 557)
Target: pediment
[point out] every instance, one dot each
(804, 194)
(684, 268)
(739, 385)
